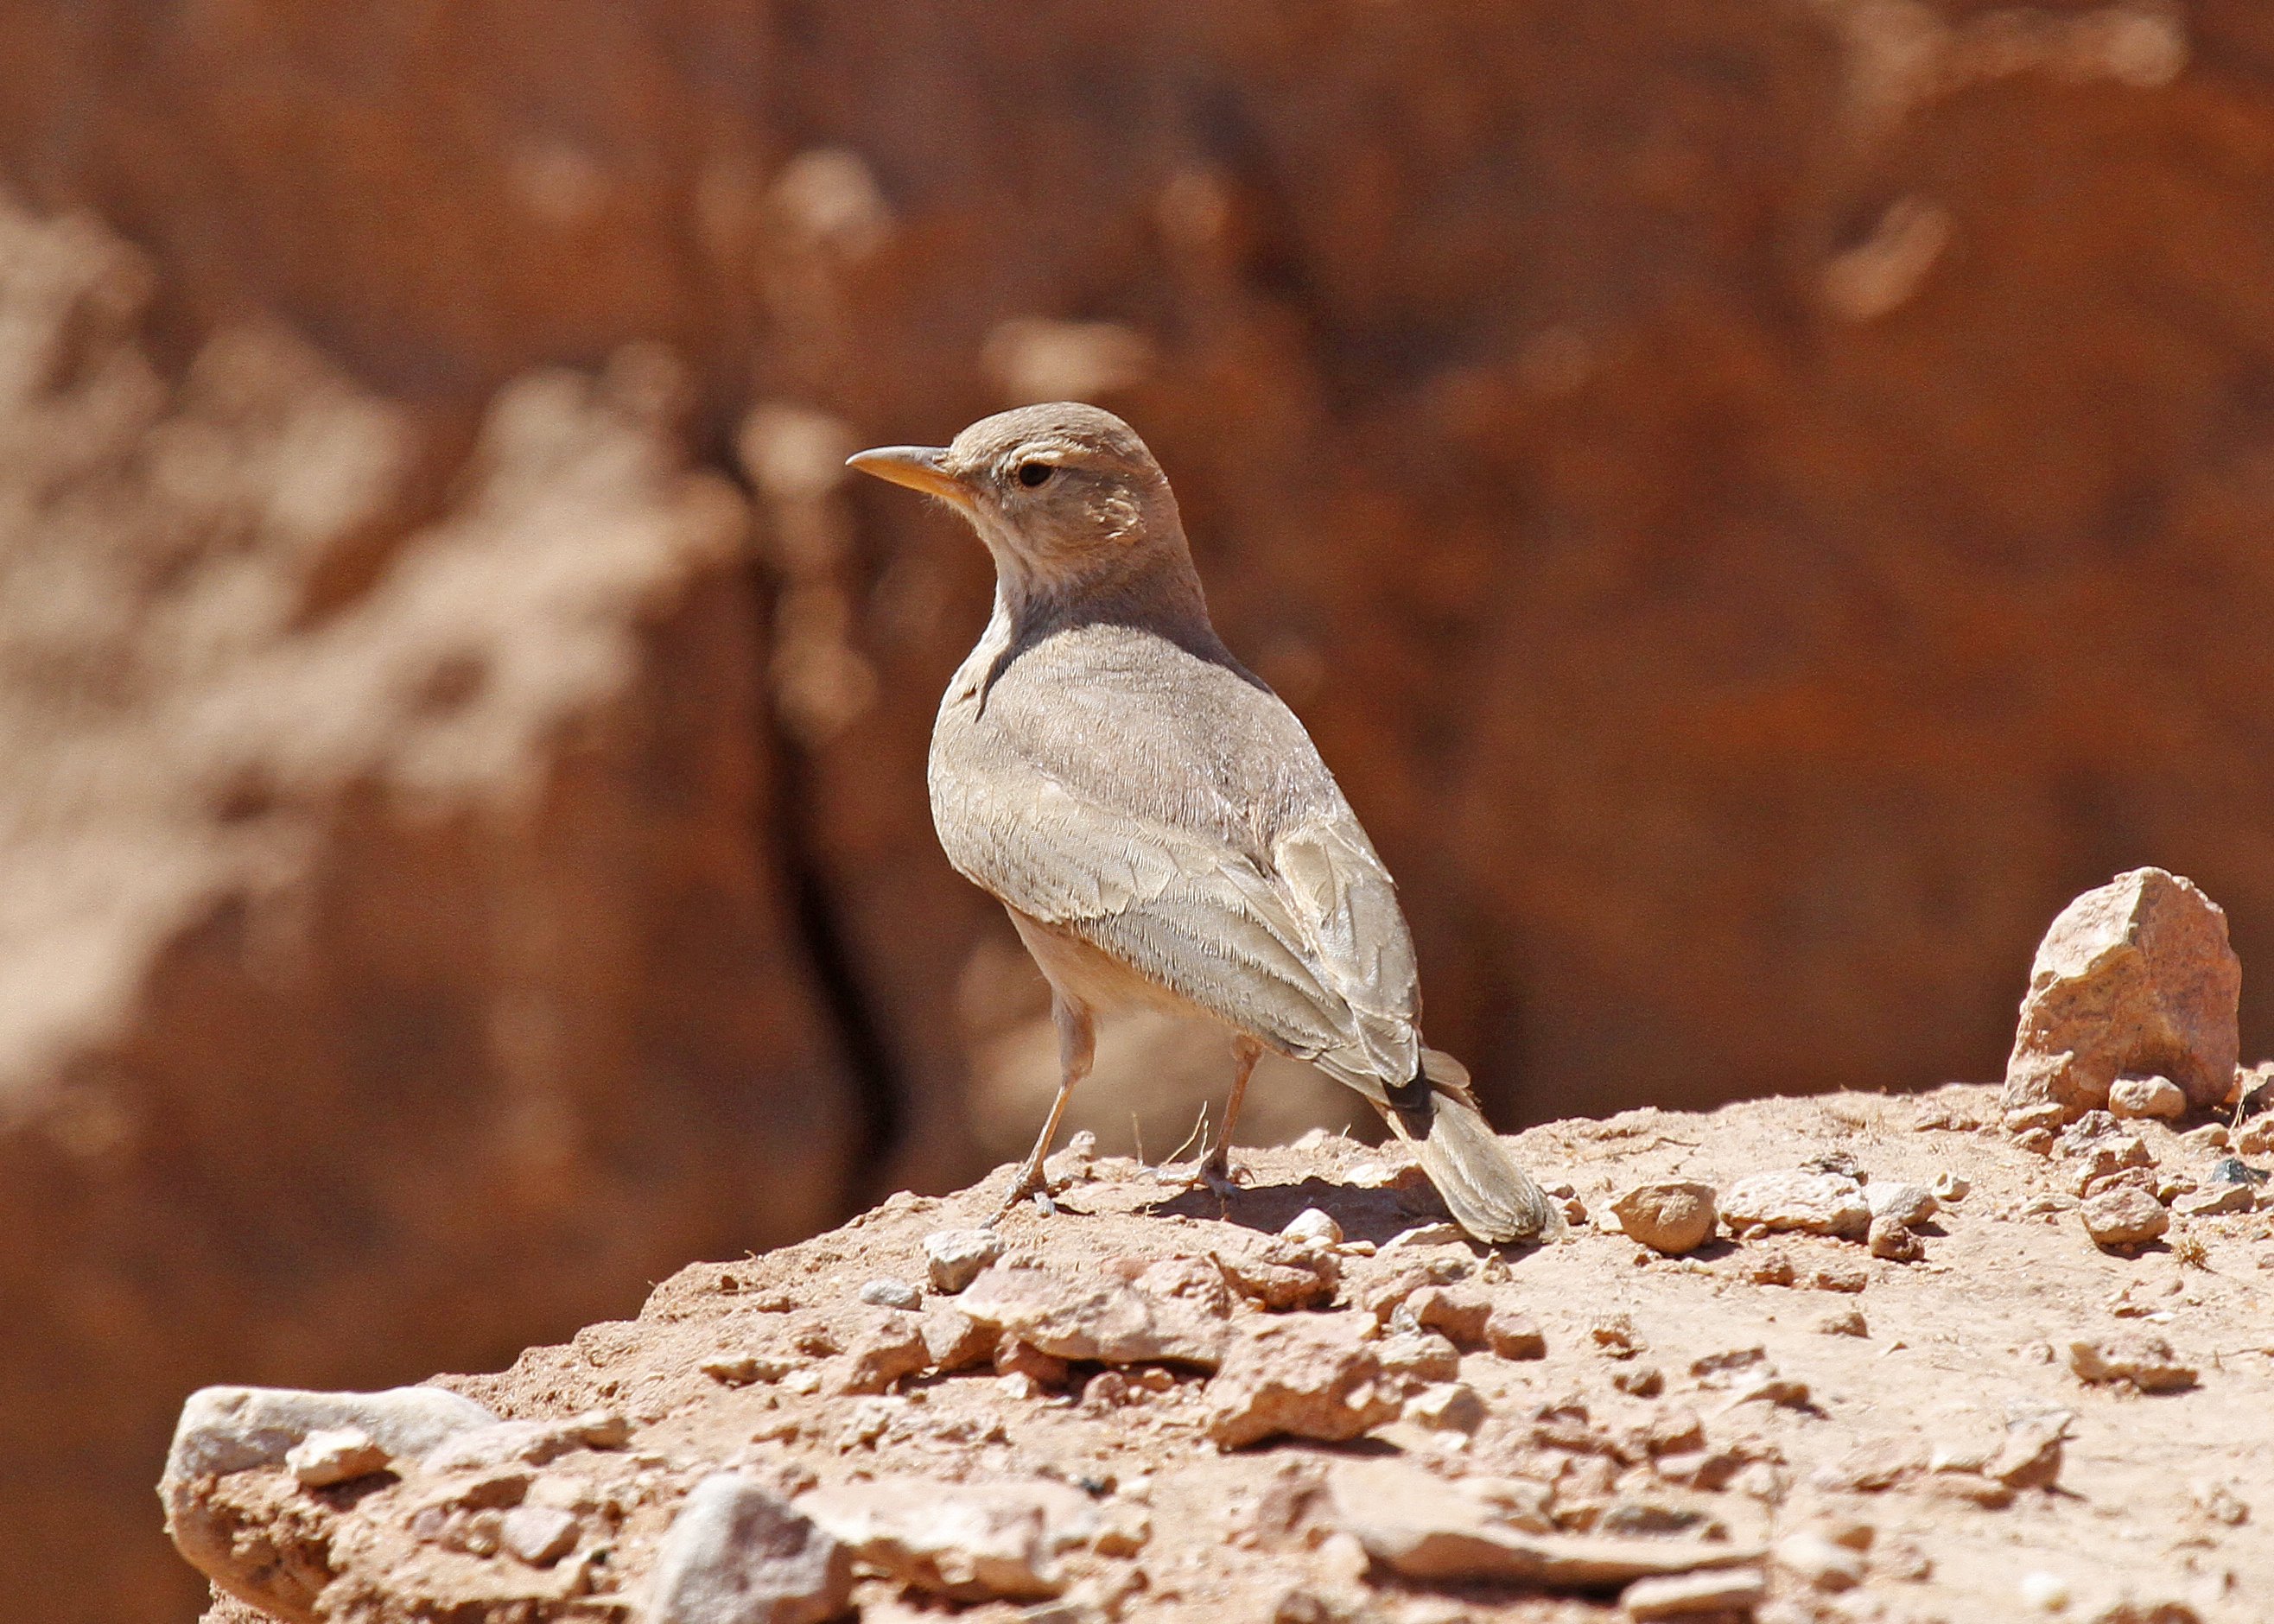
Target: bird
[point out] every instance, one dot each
(1158, 823)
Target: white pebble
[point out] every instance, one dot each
(891, 1294)
(335, 1454)
(2047, 1593)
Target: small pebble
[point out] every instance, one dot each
(2047, 1593)
(1949, 1186)
(1770, 1269)
(1672, 1217)
(1615, 1334)
(1843, 1322)
(891, 1294)
(1819, 1562)
(953, 1258)
(1313, 1227)
(335, 1454)
(1447, 1406)
(2125, 1216)
(2131, 1098)
(1894, 1240)
(538, 1534)
(1849, 1277)
(1646, 1381)
(1905, 1204)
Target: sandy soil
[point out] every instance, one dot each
(1910, 1378)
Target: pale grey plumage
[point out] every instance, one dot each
(1103, 765)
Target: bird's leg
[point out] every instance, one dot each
(1077, 1048)
(1215, 1169)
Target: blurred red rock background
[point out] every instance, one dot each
(1760, 503)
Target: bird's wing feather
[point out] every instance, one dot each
(1305, 948)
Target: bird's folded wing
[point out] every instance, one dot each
(1307, 949)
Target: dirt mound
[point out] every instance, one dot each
(1310, 1400)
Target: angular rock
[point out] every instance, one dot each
(538, 1534)
(1904, 1204)
(738, 1553)
(1843, 1322)
(336, 1454)
(1447, 1406)
(2109, 1153)
(1615, 1335)
(2124, 1216)
(953, 1258)
(891, 1294)
(1817, 1562)
(2132, 1097)
(1111, 1323)
(886, 1345)
(966, 1542)
(2140, 1357)
(1417, 1358)
(1195, 1282)
(1461, 1314)
(226, 1430)
(223, 1431)
(953, 1341)
(1808, 1203)
(1734, 1592)
(1896, 1241)
(1423, 1528)
(1729, 1366)
(2134, 976)
(1643, 1381)
(2030, 1457)
(528, 1443)
(1282, 1274)
(1298, 1381)
(1513, 1334)
(1672, 1217)
(1021, 1359)
(1839, 1275)
(2219, 1198)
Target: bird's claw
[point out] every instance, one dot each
(1212, 1173)
(1034, 1187)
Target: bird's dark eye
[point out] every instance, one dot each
(1032, 474)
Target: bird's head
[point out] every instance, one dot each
(1060, 493)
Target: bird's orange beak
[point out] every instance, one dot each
(920, 468)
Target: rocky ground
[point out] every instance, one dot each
(1311, 1399)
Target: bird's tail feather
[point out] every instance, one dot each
(1491, 1196)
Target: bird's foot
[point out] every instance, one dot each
(1213, 1172)
(1031, 1185)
